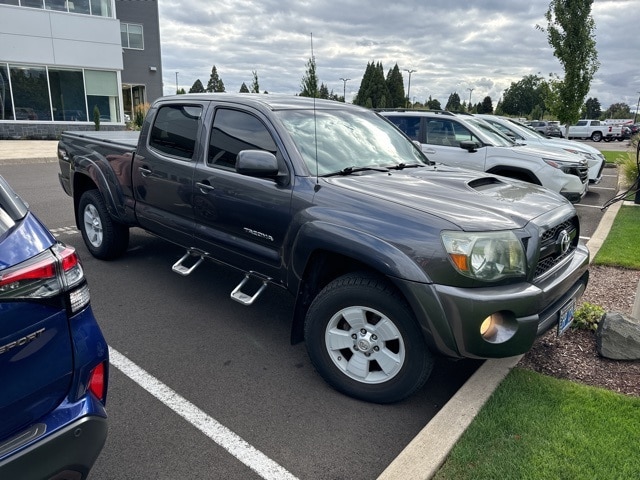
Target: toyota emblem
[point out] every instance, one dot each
(564, 241)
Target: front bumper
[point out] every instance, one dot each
(451, 317)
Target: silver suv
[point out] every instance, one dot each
(548, 129)
(465, 141)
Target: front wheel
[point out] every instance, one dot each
(364, 340)
(104, 238)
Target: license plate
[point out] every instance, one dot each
(566, 316)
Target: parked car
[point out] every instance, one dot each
(53, 357)
(630, 130)
(548, 129)
(463, 140)
(525, 136)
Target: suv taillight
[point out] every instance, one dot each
(46, 275)
(97, 384)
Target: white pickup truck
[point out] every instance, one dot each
(595, 130)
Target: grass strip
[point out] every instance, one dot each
(621, 248)
(539, 427)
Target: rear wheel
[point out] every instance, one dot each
(596, 136)
(104, 238)
(364, 340)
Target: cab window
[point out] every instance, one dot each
(174, 130)
(234, 131)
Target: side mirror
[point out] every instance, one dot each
(469, 145)
(257, 163)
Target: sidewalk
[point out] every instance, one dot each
(14, 152)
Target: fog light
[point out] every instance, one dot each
(489, 326)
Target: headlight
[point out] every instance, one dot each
(485, 255)
(562, 164)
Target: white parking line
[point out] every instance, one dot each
(63, 230)
(236, 446)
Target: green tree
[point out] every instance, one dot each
(373, 91)
(309, 86)
(181, 91)
(453, 103)
(592, 109)
(96, 117)
(255, 86)
(215, 83)
(433, 104)
(570, 32)
(395, 86)
(618, 110)
(523, 96)
(486, 106)
(244, 88)
(197, 87)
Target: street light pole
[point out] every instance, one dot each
(344, 89)
(470, 91)
(409, 86)
(176, 83)
(637, 106)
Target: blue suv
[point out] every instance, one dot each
(54, 361)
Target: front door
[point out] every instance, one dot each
(241, 219)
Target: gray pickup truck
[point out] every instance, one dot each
(392, 259)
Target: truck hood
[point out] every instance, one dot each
(471, 200)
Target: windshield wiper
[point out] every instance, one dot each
(402, 166)
(353, 169)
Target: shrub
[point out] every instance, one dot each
(139, 113)
(588, 316)
(96, 117)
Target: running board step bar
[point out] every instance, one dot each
(184, 270)
(244, 298)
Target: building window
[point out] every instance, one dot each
(102, 92)
(100, 8)
(131, 36)
(6, 107)
(67, 95)
(30, 93)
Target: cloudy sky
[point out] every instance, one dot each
(475, 48)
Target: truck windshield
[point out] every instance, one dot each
(333, 140)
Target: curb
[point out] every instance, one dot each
(427, 452)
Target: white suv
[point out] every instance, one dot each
(525, 136)
(465, 141)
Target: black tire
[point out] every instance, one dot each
(596, 136)
(105, 238)
(382, 332)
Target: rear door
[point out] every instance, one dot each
(163, 167)
(36, 361)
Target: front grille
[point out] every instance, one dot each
(551, 246)
(582, 172)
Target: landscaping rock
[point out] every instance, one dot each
(618, 337)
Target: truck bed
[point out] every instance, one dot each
(124, 138)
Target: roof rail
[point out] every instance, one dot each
(416, 110)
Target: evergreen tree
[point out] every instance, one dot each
(453, 104)
(592, 109)
(215, 83)
(255, 86)
(181, 91)
(243, 88)
(197, 87)
(486, 106)
(323, 92)
(309, 86)
(395, 86)
(373, 91)
(570, 32)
